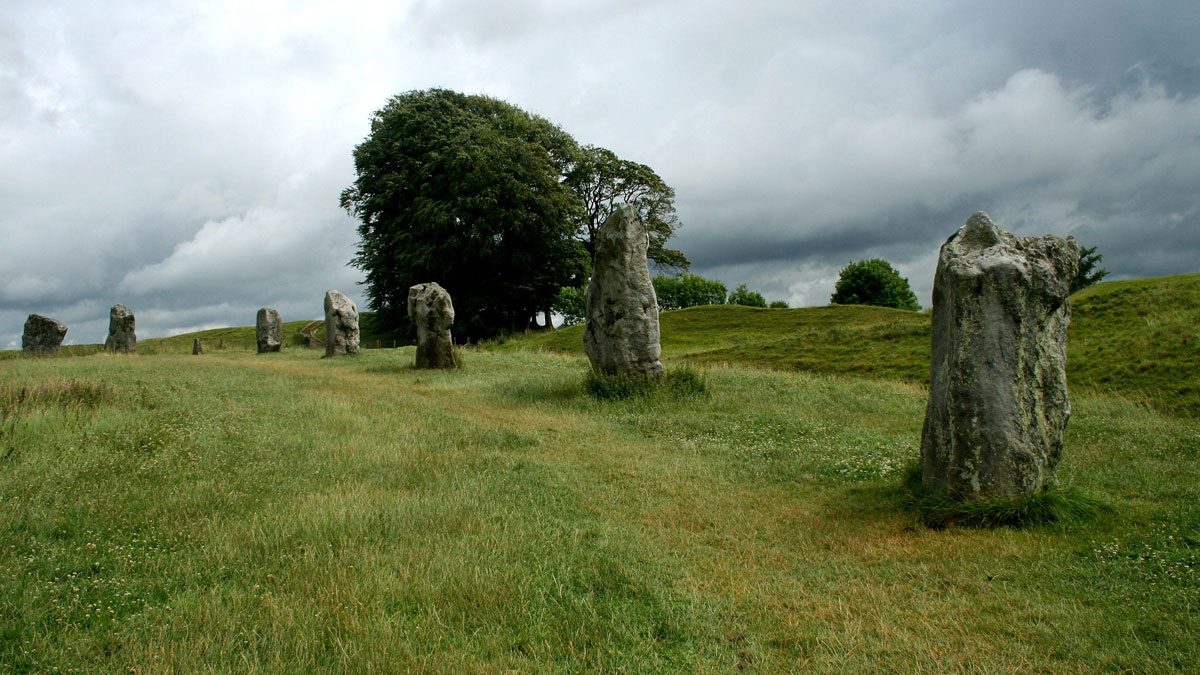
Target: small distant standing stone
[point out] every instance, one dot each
(430, 309)
(196, 348)
(43, 336)
(341, 324)
(998, 401)
(268, 328)
(622, 335)
(121, 336)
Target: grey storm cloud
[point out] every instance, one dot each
(186, 159)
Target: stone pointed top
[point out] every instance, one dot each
(623, 224)
(979, 232)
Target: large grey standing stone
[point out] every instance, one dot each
(341, 324)
(268, 328)
(998, 401)
(431, 311)
(622, 336)
(43, 336)
(121, 336)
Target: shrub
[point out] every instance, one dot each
(873, 282)
(778, 304)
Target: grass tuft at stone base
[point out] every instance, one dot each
(679, 382)
(1055, 505)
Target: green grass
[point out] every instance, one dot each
(1137, 339)
(234, 339)
(284, 512)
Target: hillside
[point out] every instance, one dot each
(1139, 339)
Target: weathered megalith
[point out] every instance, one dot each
(621, 336)
(341, 324)
(121, 336)
(196, 347)
(268, 328)
(43, 336)
(430, 309)
(998, 385)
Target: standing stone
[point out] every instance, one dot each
(43, 336)
(622, 311)
(121, 337)
(269, 330)
(430, 309)
(196, 348)
(341, 324)
(998, 385)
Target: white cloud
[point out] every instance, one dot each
(186, 159)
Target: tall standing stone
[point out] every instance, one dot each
(998, 386)
(197, 348)
(121, 336)
(341, 324)
(622, 336)
(268, 328)
(43, 335)
(431, 311)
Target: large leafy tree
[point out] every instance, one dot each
(466, 191)
(603, 181)
(873, 282)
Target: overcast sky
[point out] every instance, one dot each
(185, 159)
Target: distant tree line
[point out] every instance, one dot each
(673, 292)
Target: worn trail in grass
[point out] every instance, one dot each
(288, 512)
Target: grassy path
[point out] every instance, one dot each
(282, 512)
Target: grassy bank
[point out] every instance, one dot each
(1137, 339)
(285, 512)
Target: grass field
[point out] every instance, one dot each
(283, 512)
(1137, 339)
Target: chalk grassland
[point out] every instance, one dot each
(1138, 339)
(282, 512)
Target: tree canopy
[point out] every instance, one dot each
(873, 282)
(467, 191)
(603, 181)
(1088, 274)
(742, 295)
(687, 290)
(571, 305)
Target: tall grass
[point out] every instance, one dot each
(291, 513)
